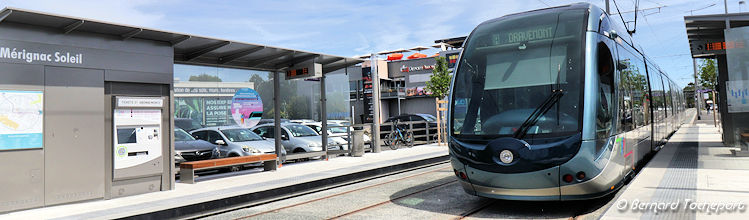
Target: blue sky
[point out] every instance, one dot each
(351, 28)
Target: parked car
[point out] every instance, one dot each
(187, 124)
(187, 148)
(270, 121)
(340, 122)
(296, 138)
(335, 131)
(420, 122)
(236, 141)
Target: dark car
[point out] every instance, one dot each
(187, 148)
(187, 124)
(420, 122)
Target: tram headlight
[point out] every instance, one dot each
(506, 156)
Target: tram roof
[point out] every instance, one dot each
(188, 48)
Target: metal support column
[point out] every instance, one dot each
(697, 95)
(608, 9)
(375, 105)
(277, 115)
(324, 117)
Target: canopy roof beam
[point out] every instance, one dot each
(178, 40)
(329, 61)
(5, 14)
(132, 33)
(297, 60)
(205, 50)
(264, 60)
(71, 27)
(240, 54)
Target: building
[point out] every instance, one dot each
(87, 107)
(724, 37)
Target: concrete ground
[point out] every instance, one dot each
(428, 193)
(693, 165)
(694, 170)
(243, 187)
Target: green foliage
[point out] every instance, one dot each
(708, 74)
(205, 78)
(439, 81)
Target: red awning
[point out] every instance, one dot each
(417, 55)
(395, 56)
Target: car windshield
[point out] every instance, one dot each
(429, 117)
(511, 65)
(240, 135)
(301, 130)
(181, 135)
(336, 129)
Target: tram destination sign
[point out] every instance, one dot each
(523, 35)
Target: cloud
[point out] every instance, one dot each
(120, 11)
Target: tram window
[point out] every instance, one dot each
(626, 117)
(604, 113)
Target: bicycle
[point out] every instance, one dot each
(399, 135)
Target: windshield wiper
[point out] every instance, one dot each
(538, 112)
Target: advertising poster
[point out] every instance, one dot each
(738, 93)
(21, 119)
(217, 111)
(246, 107)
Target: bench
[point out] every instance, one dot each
(187, 169)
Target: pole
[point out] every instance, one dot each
(277, 115)
(608, 9)
(697, 95)
(715, 119)
(375, 105)
(324, 117)
(728, 23)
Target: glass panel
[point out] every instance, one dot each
(240, 135)
(301, 130)
(510, 66)
(126, 136)
(181, 135)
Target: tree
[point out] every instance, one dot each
(439, 81)
(708, 74)
(689, 89)
(205, 78)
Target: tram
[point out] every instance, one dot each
(556, 104)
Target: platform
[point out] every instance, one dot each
(246, 187)
(694, 170)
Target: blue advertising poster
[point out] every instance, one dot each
(21, 119)
(246, 107)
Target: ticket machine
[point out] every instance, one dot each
(138, 138)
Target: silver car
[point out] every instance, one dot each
(295, 138)
(236, 141)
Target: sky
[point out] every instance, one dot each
(357, 27)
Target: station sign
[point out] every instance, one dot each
(140, 102)
(304, 70)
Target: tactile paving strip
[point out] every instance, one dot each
(678, 183)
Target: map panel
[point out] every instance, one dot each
(21, 119)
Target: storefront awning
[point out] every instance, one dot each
(188, 49)
(705, 32)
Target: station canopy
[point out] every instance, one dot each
(708, 29)
(188, 49)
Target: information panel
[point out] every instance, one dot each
(21, 119)
(737, 95)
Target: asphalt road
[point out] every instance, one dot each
(426, 193)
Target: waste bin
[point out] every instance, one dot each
(357, 142)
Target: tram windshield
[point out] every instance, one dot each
(510, 67)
